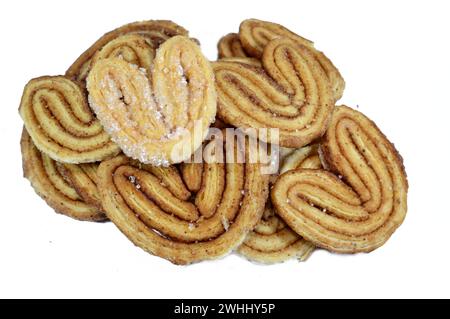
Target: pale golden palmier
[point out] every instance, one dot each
(60, 122)
(229, 46)
(161, 121)
(360, 202)
(45, 177)
(272, 240)
(83, 178)
(154, 208)
(291, 92)
(255, 34)
(154, 31)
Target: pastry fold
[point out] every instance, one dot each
(255, 35)
(273, 240)
(83, 178)
(49, 183)
(154, 31)
(57, 117)
(229, 46)
(360, 201)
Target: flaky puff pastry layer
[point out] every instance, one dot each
(273, 240)
(83, 178)
(360, 202)
(230, 46)
(49, 183)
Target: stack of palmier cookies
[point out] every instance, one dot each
(115, 138)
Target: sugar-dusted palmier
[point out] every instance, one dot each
(161, 120)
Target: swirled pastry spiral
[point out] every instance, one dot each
(60, 122)
(255, 34)
(229, 46)
(133, 48)
(154, 31)
(202, 213)
(291, 93)
(357, 208)
(272, 240)
(161, 122)
(45, 177)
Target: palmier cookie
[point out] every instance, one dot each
(290, 92)
(60, 122)
(272, 240)
(254, 35)
(47, 180)
(154, 32)
(161, 121)
(360, 201)
(202, 212)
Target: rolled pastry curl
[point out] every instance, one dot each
(255, 34)
(229, 46)
(132, 48)
(305, 157)
(83, 178)
(360, 202)
(60, 122)
(157, 212)
(290, 92)
(154, 31)
(161, 121)
(272, 240)
(45, 177)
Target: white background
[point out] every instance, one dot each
(394, 56)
